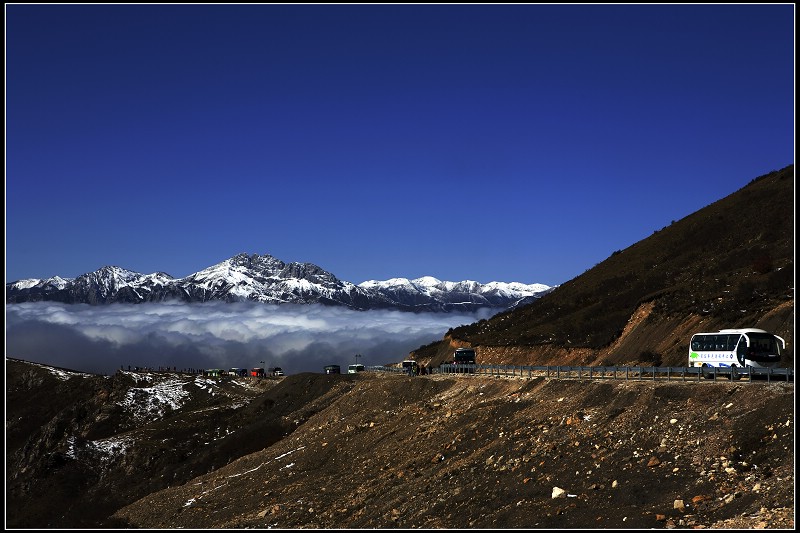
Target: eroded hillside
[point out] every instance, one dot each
(442, 452)
(388, 450)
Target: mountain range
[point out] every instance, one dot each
(266, 279)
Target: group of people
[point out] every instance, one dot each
(419, 370)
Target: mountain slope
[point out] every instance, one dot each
(385, 450)
(263, 278)
(727, 265)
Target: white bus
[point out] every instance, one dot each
(736, 347)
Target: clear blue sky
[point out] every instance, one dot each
(484, 142)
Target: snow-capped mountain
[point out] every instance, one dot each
(467, 294)
(263, 278)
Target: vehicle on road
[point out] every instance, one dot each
(355, 368)
(333, 369)
(726, 348)
(464, 356)
(410, 367)
(464, 360)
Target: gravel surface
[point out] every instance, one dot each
(384, 450)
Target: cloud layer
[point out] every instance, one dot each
(298, 338)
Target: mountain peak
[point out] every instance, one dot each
(264, 278)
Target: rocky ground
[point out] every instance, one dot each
(381, 450)
(481, 452)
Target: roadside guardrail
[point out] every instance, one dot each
(650, 373)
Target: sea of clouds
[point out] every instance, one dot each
(297, 338)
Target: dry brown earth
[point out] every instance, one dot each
(379, 450)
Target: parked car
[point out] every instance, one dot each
(277, 371)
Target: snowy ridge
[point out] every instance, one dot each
(431, 286)
(265, 279)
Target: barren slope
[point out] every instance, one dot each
(385, 450)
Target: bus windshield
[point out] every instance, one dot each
(763, 343)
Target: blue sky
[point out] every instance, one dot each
(484, 142)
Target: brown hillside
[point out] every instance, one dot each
(388, 450)
(391, 451)
(727, 265)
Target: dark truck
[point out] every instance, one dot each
(464, 361)
(464, 356)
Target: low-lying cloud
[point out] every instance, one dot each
(297, 338)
